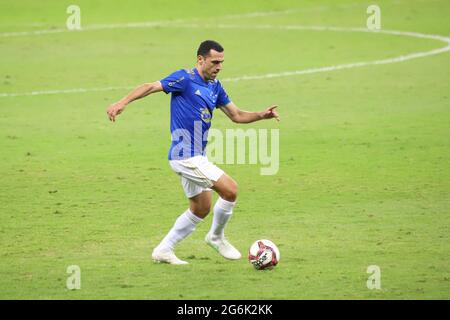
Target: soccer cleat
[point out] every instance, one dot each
(166, 257)
(223, 247)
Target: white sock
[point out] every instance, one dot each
(223, 210)
(183, 227)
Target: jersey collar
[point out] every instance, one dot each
(200, 79)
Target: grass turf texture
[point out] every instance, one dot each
(364, 154)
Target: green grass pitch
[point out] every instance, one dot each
(364, 176)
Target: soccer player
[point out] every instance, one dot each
(195, 94)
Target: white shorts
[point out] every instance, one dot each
(197, 174)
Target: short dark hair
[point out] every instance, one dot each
(206, 46)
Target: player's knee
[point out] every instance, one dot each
(204, 211)
(230, 194)
(201, 210)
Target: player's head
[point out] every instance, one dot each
(210, 59)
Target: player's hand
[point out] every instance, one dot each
(114, 110)
(271, 113)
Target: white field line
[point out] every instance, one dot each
(401, 58)
(163, 23)
(74, 90)
(134, 25)
(130, 25)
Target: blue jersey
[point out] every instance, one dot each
(191, 108)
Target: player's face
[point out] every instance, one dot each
(211, 64)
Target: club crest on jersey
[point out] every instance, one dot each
(206, 115)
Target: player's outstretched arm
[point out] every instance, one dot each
(140, 92)
(239, 116)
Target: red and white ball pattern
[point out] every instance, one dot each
(263, 254)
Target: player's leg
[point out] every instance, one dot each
(226, 187)
(199, 206)
(198, 175)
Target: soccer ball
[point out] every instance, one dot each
(263, 254)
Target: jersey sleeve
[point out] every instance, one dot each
(222, 97)
(175, 82)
